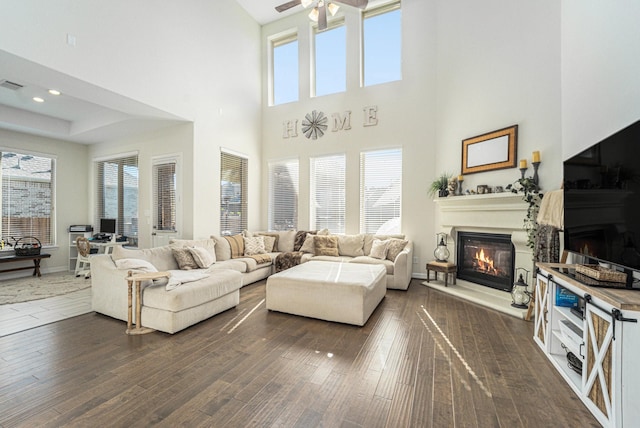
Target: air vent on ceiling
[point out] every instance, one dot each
(10, 85)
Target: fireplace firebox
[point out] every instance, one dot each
(487, 259)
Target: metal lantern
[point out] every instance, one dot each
(441, 252)
(519, 293)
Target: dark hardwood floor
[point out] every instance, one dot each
(424, 359)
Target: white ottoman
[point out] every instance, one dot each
(331, 291)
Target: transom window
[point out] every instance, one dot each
(284, 54)
(331, 60)
(328, 193)
(382, 51)
(28, 186)
(380, 191)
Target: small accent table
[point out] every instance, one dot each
(445, 267)
(137, 278)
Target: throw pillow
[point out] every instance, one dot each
(395, 247)
(136, 264)
(184, 258)
(308, 246)
(325, 245)
(301, 235)
(351, 245)
(270, 243)
(236, 242)
(254, 245)
(202, 257)
(379, 249)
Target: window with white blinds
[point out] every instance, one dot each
(164, 196)
(28, 188)
(283, 194)
(380, 191)
(328, 193)
(117, 193)
(233, 193)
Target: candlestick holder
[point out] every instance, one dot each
(522, 171)
(459, 188)
(535, 172)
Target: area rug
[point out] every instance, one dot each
(33, 288)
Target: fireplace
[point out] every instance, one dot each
(486, 259)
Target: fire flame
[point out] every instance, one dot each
(484, 263)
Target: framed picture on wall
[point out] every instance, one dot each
(490, 151)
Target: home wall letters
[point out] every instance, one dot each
(315, 123)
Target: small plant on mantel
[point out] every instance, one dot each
(440, 185)
(532, 196)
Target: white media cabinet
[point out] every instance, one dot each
(606, 339)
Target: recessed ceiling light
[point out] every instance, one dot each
(38, 99)
(54, 92)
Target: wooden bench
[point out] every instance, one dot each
(36, 262)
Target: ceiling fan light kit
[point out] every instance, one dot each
(319, 12)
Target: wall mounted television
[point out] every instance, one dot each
(602, 202)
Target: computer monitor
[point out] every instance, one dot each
(108, 225)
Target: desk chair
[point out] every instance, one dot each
(83, 262)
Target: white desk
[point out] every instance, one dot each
(106, 247)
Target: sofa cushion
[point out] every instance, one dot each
(161, 257)
(135, 264)
(286, 239)
(325, 245)
(388, 264)
(232, 264)
(308, 246)
(254, 245)
(222, 248)
(184, 258)
(351, 245)
(270, 242)
(395, 247)
(202, 256)
(208, 244)
(191, 294)
(379, 249)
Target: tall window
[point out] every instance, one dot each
(283, 195)
(331, 60)
(284, 52)
(164, 196)
(328, 193)
(233, 193)
(380, 191)
(27, 196)
(117, 190)
(382, 44)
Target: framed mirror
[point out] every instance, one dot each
(490, 151)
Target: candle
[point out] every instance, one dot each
(523, 164)
(460, 178)
(536, 156)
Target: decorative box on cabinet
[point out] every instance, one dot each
(73, 250)
(605, 339)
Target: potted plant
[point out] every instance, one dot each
(439, 185)
(532, 196)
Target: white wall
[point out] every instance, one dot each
(600, 69)
(71, 187)
(197, 59)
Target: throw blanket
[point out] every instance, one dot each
(552, 209)
(547, 244)
(179, 277)
(288, 260)
(261, 258)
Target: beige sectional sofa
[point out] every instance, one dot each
(170, 308)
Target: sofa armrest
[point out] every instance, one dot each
(403, 267)
(109, 287)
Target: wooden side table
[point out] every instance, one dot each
(137, 278)
(445, 267)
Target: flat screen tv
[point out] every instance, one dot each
(602, 201)
(108, 225)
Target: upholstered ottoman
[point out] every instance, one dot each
(331, 291)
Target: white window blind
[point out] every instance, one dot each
(382, 40)
(328, 193)
(283, 195)
(380, 191)
(117, 193)
(27, 197)
(233, 193)
(164, 196)
(284, 52)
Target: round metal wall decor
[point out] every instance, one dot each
(314, 124)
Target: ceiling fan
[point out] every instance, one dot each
(319, 11)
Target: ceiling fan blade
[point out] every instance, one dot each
(322, 17)
(288, 5)
(360, 4)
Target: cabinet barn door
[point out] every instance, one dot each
(598, 381)
(541, 325)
